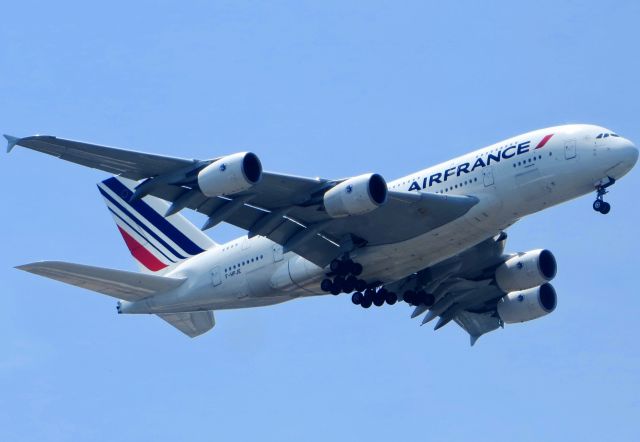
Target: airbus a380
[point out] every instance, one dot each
(434, 239)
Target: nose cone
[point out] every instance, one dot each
(632, 154)
(628, 154)
(624, 155)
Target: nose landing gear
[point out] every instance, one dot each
(599, 205)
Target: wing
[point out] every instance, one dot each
(285, 208)
(127, 163)
(191, 324)
(463, 289)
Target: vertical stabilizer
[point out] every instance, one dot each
(156, 242)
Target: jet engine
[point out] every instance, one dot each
(356, 196)
(231, 174)
(526, 270)
(529, 304)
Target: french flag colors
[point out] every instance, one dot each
(156, 242)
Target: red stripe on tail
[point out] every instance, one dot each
(543, 141)
(141, 254)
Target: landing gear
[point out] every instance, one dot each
(326, 285)
(599, 205)
(345, 274)
(345, 267)
(391, 298)
(419, 298)
(378, 297)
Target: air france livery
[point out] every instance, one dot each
(434, 240)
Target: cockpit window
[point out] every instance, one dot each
(605, 135)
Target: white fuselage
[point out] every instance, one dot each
(511, 179)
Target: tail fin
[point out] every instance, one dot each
(157, 243)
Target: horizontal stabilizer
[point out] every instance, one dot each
(191, 324)
(130, 286)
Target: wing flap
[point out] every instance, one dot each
(477, 324)
(191, 324)
(120, 284)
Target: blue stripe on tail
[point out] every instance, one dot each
(154, 217)
(141, 224)
(139, 234)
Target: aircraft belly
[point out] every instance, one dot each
(395, 261)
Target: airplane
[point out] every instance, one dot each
(434, 239)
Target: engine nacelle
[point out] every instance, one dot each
(526, 270)
(356, 196)
(529, 304)
(231, 174)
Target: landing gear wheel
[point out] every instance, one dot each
(391, 298)
(326, 285)
(356, 269)
(338, 283)
(428, 299)
(347, 266)
(349, 284)
(606, 208)
(335, 265)
(361, 285)
(357, 298)
(597, 205)
(366, 302)
(410, 297)
(379, 297)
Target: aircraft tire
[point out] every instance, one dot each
(391, 298)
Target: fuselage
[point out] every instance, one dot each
(511, 179)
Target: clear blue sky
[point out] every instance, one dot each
(322, 89)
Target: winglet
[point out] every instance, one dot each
(11, 142)
(473, 339)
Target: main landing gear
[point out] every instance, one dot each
(376, 297)
(599, 205)
(345, 280)
(346, 277)
(381, 295)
